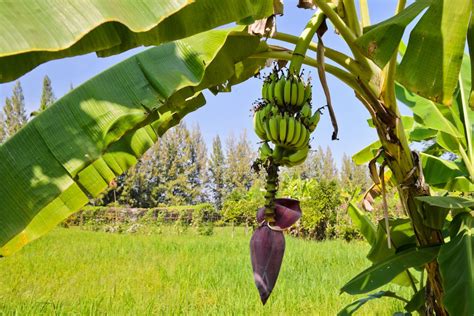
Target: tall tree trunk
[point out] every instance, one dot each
(406, 169)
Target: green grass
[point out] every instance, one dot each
(78, 272)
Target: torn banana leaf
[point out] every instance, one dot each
(73, 150)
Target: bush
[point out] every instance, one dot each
(120, 219)
(320, 203)
(240, 207)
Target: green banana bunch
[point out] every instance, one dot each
(289, 90)
(286, 131)
(285, 118)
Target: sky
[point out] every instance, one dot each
(229, 113)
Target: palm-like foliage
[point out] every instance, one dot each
(72, 150)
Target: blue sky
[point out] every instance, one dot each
(229, 113)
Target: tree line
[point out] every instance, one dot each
(180, 170)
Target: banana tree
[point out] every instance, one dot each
(72, 151)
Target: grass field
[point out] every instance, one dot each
(71, 271)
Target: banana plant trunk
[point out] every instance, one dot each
(406, 168)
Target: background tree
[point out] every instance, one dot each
(3, 130)
(240, 156)
(47, 96)
(14, 110)
(328, 166)
(18, 105)
(353, 176)
(196, 156)
(216, 172)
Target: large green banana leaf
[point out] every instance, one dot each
(72, 151)
(431, 63)
(456, 264)
(452, 127)
(387, 269)
(34, 32)
(375, 43)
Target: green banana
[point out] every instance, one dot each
(257, 125)
(299, 156)
(265, 151)
(287, 92)
(266, 110)
(294, 92)
(306, 110)
(314, 120)
(271, 88)
(301, 87)
(283, 129)
(279, 91)
(273, 123)
(301, 135)
(296, 137)
(290, 130)
(266, 126)
(278, 153)
(303, 139)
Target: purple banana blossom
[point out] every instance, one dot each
(267, 245)
(287, 212)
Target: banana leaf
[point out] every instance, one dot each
(73, 150)
(354, 306)
(69, 28)
(386, 270)
(432, 61)
(456, 264)
(375, 43)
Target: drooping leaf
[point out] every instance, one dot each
(438, 40)
(365, 225)
(401, 237)
(386, 270)
(428, 113)
(448, 142)
(445, 174)
(375, 190)
(420, 133)
(434, 216)
(375, 43)
(366, 154)
(401, 234)
(466, 113)
(408, 122)
(354, 306)
(67, 28)
(448, 202)
(416, 301)
(456, 264)
(72, 151)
